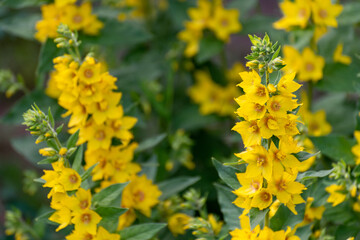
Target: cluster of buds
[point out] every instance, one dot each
(341, 171)
(264, 55)
(68, 39)
(9, 84)
(43, 126)
(194, 201)
(14, 225)
(201, 228)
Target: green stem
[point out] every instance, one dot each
(267, 76)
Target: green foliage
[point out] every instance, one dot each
(227, 174)
(142, 231)
(173, 186)
(110, 216)
(107, 196)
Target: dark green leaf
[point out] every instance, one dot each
(313, 174)
(110, 217)
(257, 217)
(304, 232)
(48, 160)
(302, 156)
(107, 195)
(350, 14)
(26, 147)
(335, 147)
(59, 129)
(150, 168)
(51, 118)
(142, 231)
(284, 217)
(39, 180)
(276, 53)
(229, 210)
(87, 173)
(72, 140)
(78, 158)
(22, 3)
(44, 216)
(150, 142)
(227, 174)
(173, 186)
(52, 143)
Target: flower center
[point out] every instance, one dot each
(260, 160)
(258, 108)
(86, 218)
(140, 195)
(323, 13)
(302, 12)
(84, 204)
(265, 196)
(281, 185)
(88, 73)
(77, 19)
(73, 178)
(255, 185)
(224, 22)
(261, 91)
(88, 236)
(254, 127)
(275, 106)
(309, 67)
(100, 135)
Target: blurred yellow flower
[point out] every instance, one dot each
(339, 57)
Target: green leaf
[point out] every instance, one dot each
(141, 231)
(52, 143)
(22, 3)
(229, 210)
(350, 14)
(304, 232)
(150, 167)
(114, 31)
(276, 53)
(45, 216)
(87, 173)
(48, 160)
(244, 7)
(110, 217)
(173, 186)
(210, 46)
(284, 217)
(257, 217)
(108, 195)
(150, 142)
(14, 115)
(78, 158)
(39, 180)
(302, 156)
(227, 174)
(20, 24)
(72, 140)
(313, 174)
(335, 147)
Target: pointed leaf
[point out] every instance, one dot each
(72, 140)
(108, 195)
(110, 217)
(302, 156)
(313, 174)
(175, 185)
(150, 143)
(227, 174)
(144, 231)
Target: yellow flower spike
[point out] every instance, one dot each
(257, 93)
(270, 125)
(339, 57)
(336, 197)
(311, 68)
(325, 13)
(177, 223)
(61, 216)
(70, 179)
(86, 220)
(279, 105)
(249, 79)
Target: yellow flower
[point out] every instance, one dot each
(141, 194)
(249, 79)
(311, 68)
(250, 110)
(70, 179)
(325, 13)
(259, 162)
(191, 35)
(245, 232)
(262, 199)
(103, 234)
(270, 125)
(62, 3)
(126, 219)
(79, 202)
(89, 71)
(249, 131)
(86, 220)
(311, 213)
(296, 13)
(249, 186)
(61, 216)
(292, 57)
(287, 85)
(233, 73)
(283, 186)
(97, 136)
(336, 196)
(224, 22)
(279, 105)
(338, 57)
(257, 93)
(267, 233)
(316, 123)
(177, 223)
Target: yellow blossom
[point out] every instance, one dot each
(86, 220)
(177, 223)
(311, 68)
(262, 199)
(336, 196)
(325, 13)
(296, 13)
(249, 131)
(103, 234)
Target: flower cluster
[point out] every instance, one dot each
(268, 126)
(87, 91)
(63, 180)
(212, 97)
(208, 15)
(298, 14)
(66, 12)
(138, 9)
